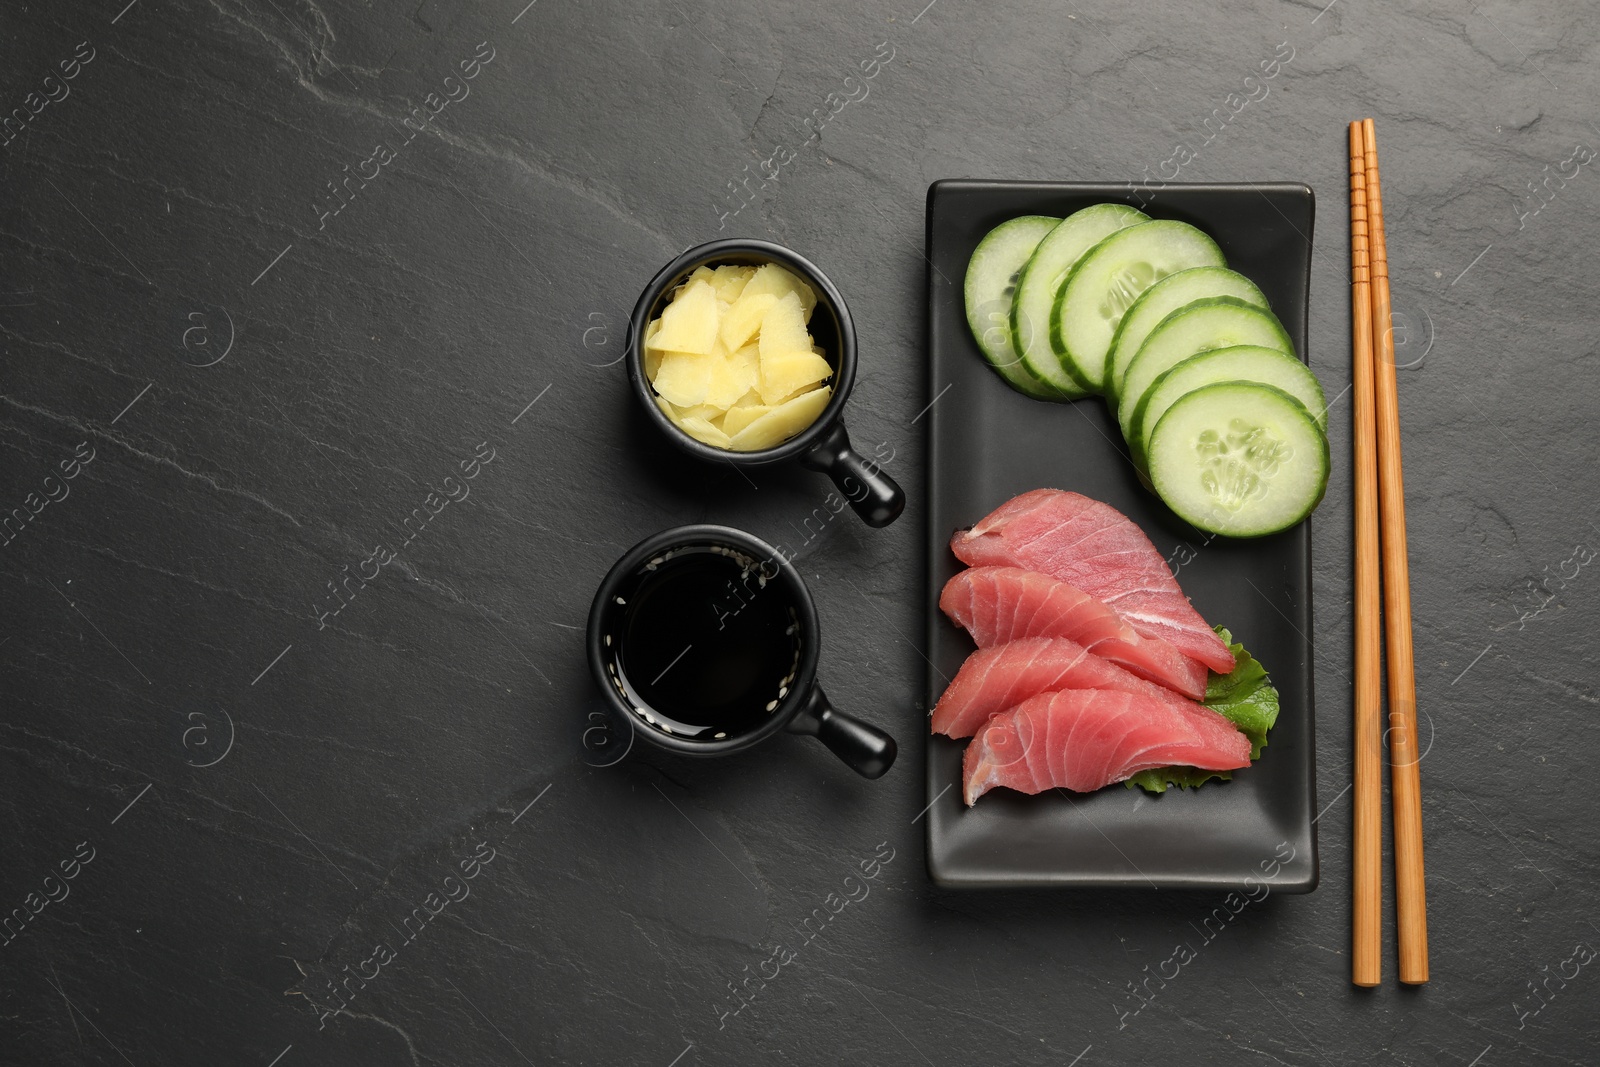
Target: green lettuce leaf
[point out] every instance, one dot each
(1245, 697)
(1157, 779)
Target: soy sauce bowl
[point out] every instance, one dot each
(799, 707)
(822, 446)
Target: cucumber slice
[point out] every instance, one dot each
(1041, 281)
(1220, 322)
(1107, 281)
(1239, 459)
(1242, 363)
(990, 285)
(1162, 299)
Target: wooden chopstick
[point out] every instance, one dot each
(1411, 918)
(1366, 968)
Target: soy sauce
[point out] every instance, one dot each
(709, 642)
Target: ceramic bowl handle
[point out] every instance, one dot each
(866, 749)
(873, 494)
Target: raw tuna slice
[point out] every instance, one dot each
(994, 679)
(1000, 604)
(1098, 549)
(1083, 739)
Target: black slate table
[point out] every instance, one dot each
(287, 282)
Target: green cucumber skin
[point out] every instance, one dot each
(1025, 383)
(1242, 288)
(1099, 220)
(1137, 441)
(1008, 366)
(1058, 314)
(1212, 393)
(1207, 253)
(1128, 403)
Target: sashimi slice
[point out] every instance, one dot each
(994, 679)
(1000, 604)
(1098, 549)
(1084, 739)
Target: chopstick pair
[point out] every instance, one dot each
(1381, 573)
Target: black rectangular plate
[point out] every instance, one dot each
(987, 443)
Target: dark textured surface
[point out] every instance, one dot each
(992, 444)
(175, 189)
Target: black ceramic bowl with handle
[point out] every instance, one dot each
(822, 446)
(799, 707)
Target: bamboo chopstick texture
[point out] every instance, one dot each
(1366, 967)
(1405, 778)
